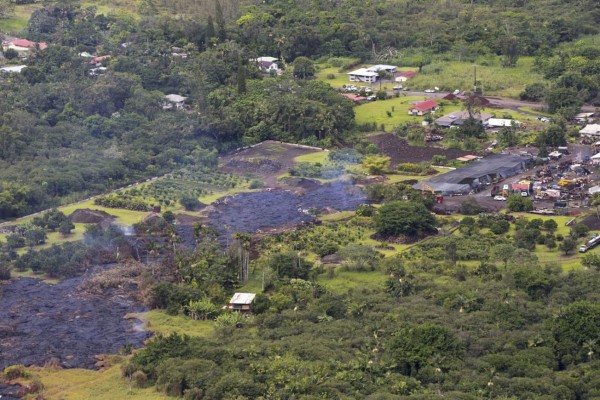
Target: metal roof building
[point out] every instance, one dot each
(464, 180)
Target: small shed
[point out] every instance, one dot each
(174, 101)
(241, 302)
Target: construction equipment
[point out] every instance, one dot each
(566, 182)
(426, 188)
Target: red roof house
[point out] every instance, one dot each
(354, 97)
(24, 45)
(423, 107)
(405, 75)
(99, 59)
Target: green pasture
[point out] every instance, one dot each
(159, 321)
(17, 22)
(325, 71)
(84, 384)
(377, 111)
(348, 280)
(494, 79)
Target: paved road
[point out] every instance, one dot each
(501, 102)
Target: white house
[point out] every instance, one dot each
(174, 100)
(267, 59)
(23, 45)
(591, 130)
(382, 67)
(501, 122)
(13, 68)
(363, 75)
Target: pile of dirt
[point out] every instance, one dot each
(88, 216)
(261, 166)
(592, 222)
(400, 151)
(64, 324)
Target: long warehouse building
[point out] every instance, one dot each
(479, 173)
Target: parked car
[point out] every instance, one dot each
(500, 198)
(429, 90)
(371, 98)
(398, 87)
(524, 194)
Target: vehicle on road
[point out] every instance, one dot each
(430, 90)
(500, 198)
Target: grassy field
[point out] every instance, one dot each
(451, 75)
(346, 280)
(16, 23)
(160, 322)
(494, 79)
(83, 384)
(376, 111)
(337, 78)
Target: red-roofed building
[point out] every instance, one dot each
(99, 59)
(405, 75)
(23, 45)
(354, 97)
(423, 107)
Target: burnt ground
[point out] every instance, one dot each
(267, 160)
(62, 324)
(592, 221)
(400, 151)
(257, 211)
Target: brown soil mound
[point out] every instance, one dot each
(592, 222)
(88, 216)
(400, 151)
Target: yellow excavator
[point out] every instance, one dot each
(426, 188)
(566, 182)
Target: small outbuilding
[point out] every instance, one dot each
(405, 76)
(423, 107)
(174, 101)
(241, 302)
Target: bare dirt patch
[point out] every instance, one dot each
(88, 216)
(400, 151)
(592, 221)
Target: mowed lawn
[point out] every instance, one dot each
(397, 107)
(338, 78)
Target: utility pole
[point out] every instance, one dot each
(475, 79)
